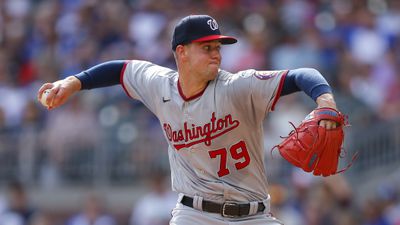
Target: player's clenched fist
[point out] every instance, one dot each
(53, 95)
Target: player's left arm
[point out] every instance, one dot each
(311, 82)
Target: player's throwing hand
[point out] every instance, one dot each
(59, 91)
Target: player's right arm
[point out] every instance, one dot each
(102, 75)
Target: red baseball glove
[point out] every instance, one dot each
(315, 148)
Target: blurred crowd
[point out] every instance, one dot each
(354, 43)
(307, 200)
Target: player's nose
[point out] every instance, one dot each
(216, 54)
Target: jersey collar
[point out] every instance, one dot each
(186, 99)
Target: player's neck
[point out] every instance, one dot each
(190, 86)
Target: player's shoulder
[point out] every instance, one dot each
(225, 75)
(250, 73)
(151, 69)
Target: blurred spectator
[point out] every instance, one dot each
(3, 204)
(346, 217)
(92, 213)
(71, 144)
(13, 98)
(389, 196)
(283, 205)
(145, 30)
(315, 201)
(373, 212)
(41, 219)
(18, 210)
(29, 141)
(155, 207)
(367, 45)
(2, 121)
(392, 212)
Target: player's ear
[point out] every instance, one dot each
(181, 51)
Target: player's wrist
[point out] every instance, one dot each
(326, 100)
(74, 83)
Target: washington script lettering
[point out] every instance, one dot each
(195, 134)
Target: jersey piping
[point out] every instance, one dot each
(186, 99)
(278, 94)
(121, 78)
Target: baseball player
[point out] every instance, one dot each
(212, 120)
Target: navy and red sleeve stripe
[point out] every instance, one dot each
(102, 75)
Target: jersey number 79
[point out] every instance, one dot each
(237, 151)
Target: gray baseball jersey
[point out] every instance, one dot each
(216, 137)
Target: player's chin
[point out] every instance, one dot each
(213, 73)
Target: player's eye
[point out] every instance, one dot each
(207, 48)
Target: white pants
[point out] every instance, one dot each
(183, 215)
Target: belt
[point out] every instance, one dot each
(226, 209)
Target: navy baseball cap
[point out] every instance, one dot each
(198, 28)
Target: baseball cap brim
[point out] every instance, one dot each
(226, 40)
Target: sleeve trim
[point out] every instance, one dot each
(121, 77)
(278, 93)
